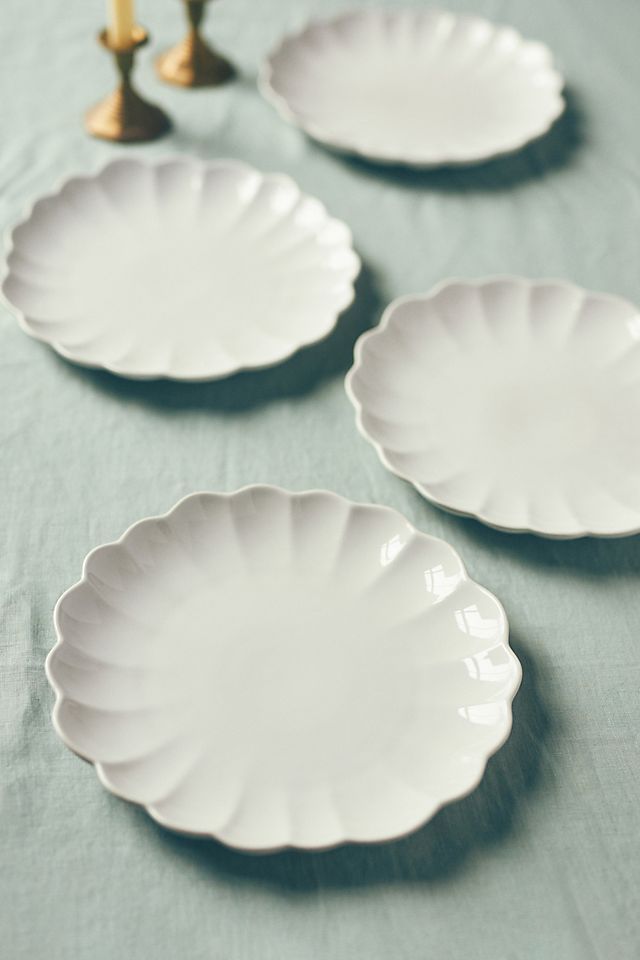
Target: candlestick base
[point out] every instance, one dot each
(192, 62)
(127, 118)
(124, 116)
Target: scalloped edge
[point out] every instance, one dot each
(196, 163)
(380, 329)
(483, 758)
(318, 132)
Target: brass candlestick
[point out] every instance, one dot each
(192, 63)
(124, 116)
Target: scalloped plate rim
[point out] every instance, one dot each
(317, 131)
(483, 757)
(380, 450)
(160, 161)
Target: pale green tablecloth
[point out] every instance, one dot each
(542, 861)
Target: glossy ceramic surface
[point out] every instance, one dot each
(421, 87)
(512, 400)
(180, 269)
(277, 668)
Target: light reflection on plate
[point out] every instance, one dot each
(282, 669)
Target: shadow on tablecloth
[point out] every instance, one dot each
(587, 557)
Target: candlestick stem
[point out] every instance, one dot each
(124, 116)
(192, 63)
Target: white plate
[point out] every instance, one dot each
(276, 668)
(515, 401)
(181, 269)
(421, 87)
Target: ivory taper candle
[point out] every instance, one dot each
(120, 23)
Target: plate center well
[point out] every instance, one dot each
(512, 411)
(182, 288)
(417, 101)
(290, 673)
